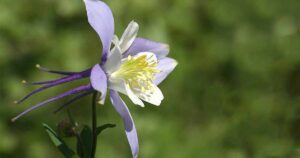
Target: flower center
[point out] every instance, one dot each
(138, 72)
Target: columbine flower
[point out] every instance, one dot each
(129, 65)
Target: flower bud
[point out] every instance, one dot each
(65, 128)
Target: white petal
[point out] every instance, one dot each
(154, 98)
(116, 41)
(133, 97)
(117, 85)
(114, 60)
(128, 36)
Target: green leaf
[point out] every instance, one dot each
(84, 142)
(79, 147)
(103, 127)
(59, 143)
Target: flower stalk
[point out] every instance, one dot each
(94, 124)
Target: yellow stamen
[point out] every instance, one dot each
(138, 72)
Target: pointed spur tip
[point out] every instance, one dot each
(15, 102)
(24, 81)
(13, 119)
(101, 102)
(38, 66)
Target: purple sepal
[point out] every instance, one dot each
(70, 92)
(101, 19)
(144, 45)
(99, 81)
(165, 66)
(130, 130)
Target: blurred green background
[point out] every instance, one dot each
(234, 94)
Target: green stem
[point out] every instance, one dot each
(94, 125)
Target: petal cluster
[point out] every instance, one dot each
(134, 66)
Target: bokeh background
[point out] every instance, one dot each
(234, 94)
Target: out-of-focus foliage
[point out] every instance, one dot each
(234, 94)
